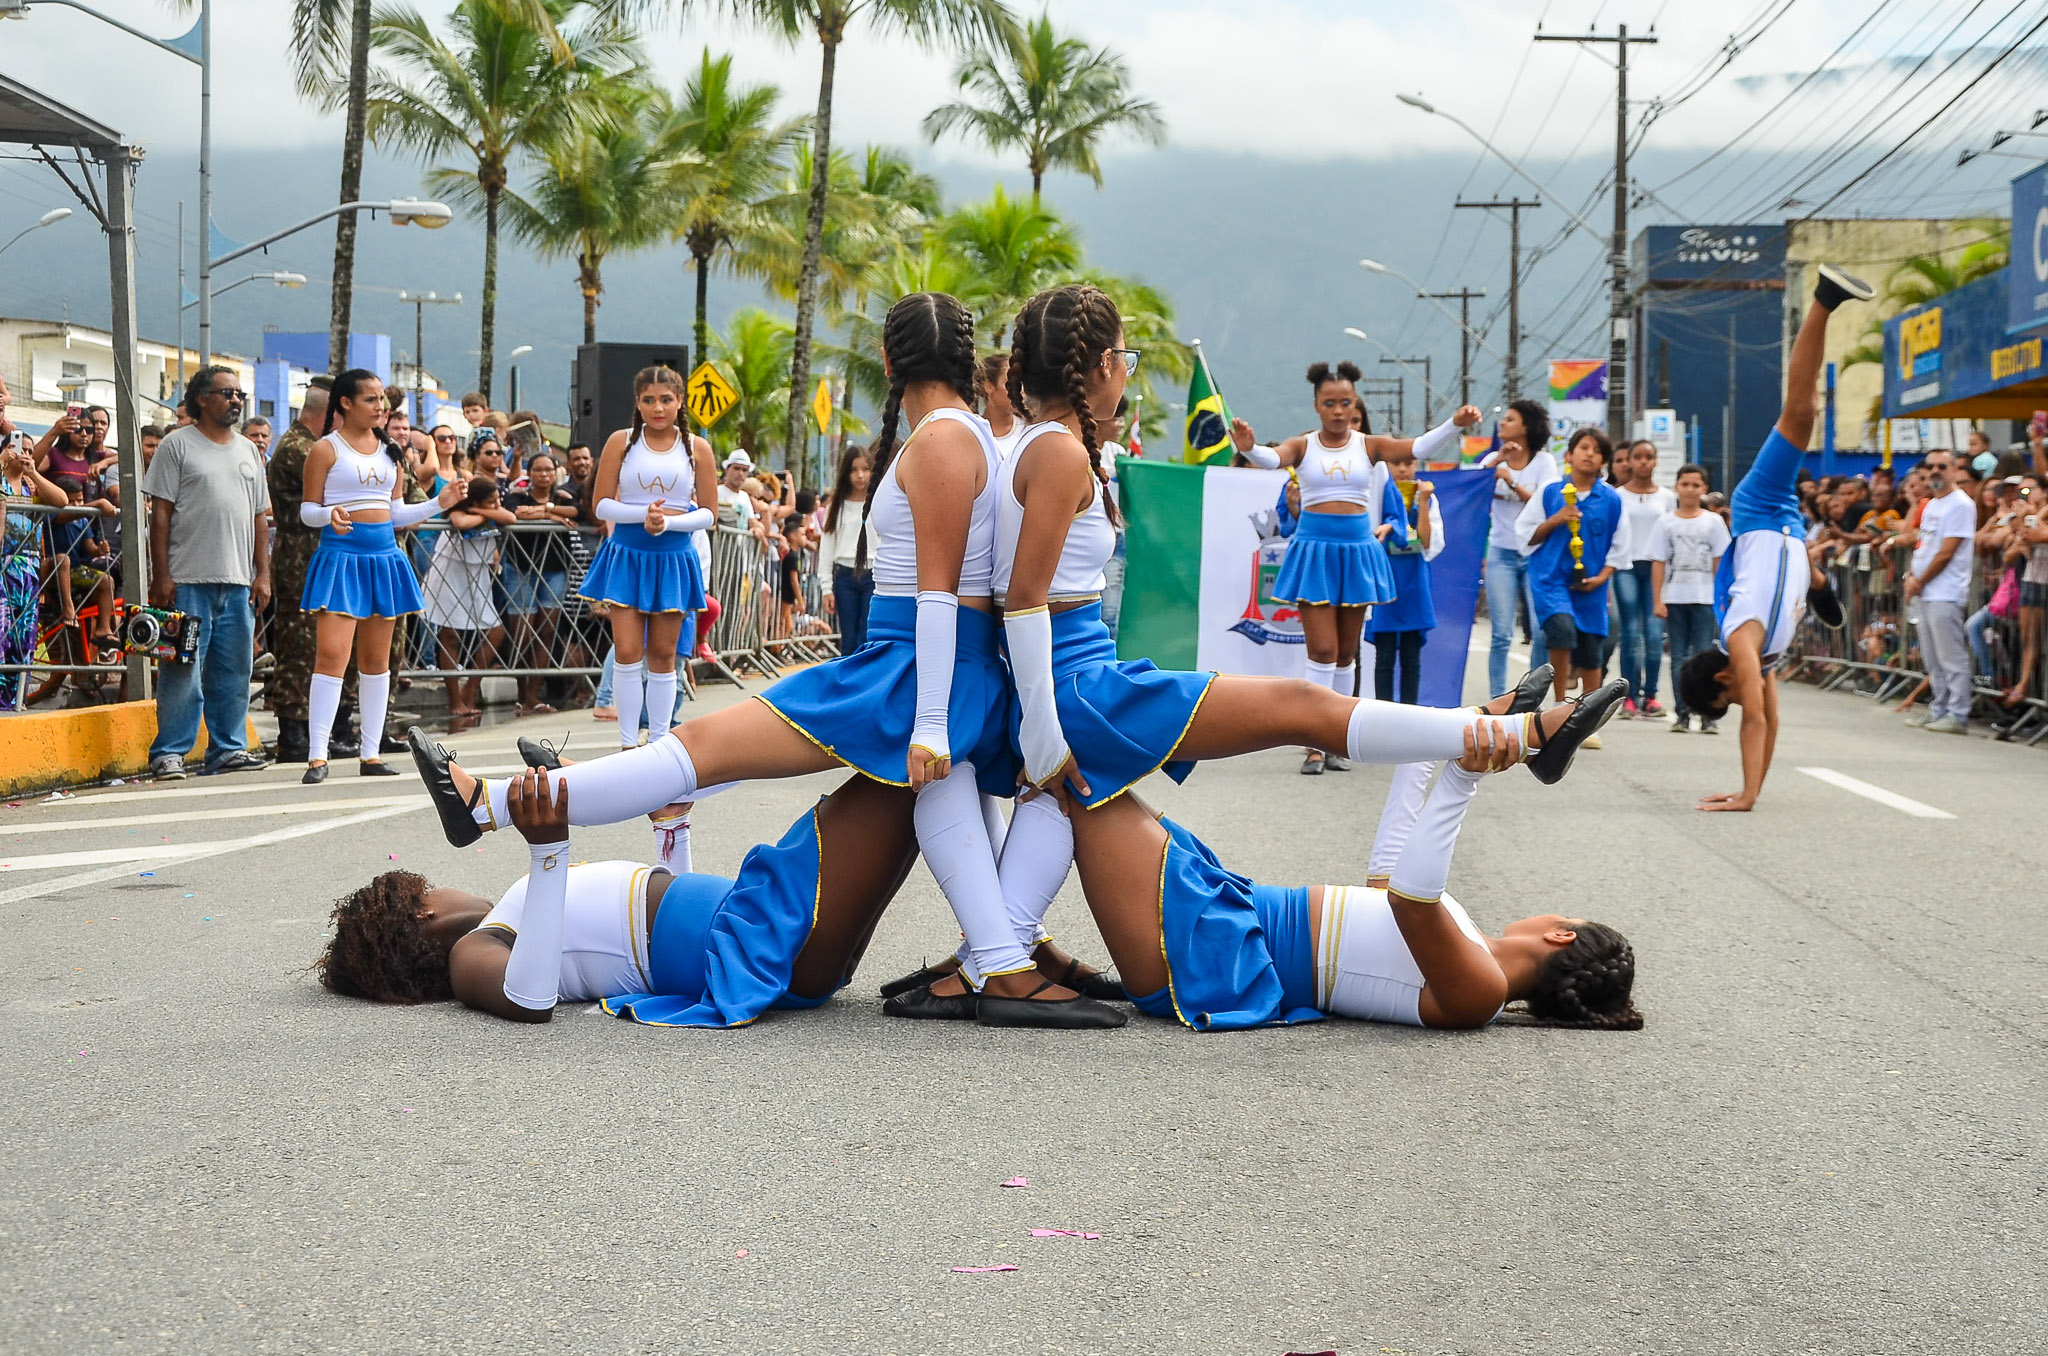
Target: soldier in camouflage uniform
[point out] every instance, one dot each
(294, 633)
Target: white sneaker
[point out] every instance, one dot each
(1592, 742)
(1918, 719)
(1946, 725)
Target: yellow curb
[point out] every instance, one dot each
(45, 750)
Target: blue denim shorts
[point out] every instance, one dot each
(530, 591)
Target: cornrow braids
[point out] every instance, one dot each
(1061, 336)
(927, 336)
(1589, 983)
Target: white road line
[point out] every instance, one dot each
(150, 852)
(196, 852)
(191, 816)
(1903, 804)
(338, 782)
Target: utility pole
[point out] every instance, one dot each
(1618, 426)
(1514, 207)
(1428, 386)
(1464, 296)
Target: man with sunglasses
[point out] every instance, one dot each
(209, 556)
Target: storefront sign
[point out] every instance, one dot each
(1956, 358)
(2027, 297)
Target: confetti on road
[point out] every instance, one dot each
(978, 1270)
(741, 1253)
(147, 874)
(1016, 1182)
(1061, 1233)
(191, 896)
(392, 857)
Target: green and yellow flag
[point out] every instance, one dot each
(1208, 429)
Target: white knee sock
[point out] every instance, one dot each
(323, 699)
(1344, 679)
(1322, 675)
(1425, 865)
(672, 843)
(373, 699)
(1404, 804)
(1392, 732)
(954, 840)
(628, 696)
(661, 702)
(628, 784)
(1034, 865)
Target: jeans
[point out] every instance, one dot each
(1407, 647)
(1507, 577)
(1980, 647)
(215, 682)
(852, 592)
(1642, 632)
(1945, 650)
(1691, 627)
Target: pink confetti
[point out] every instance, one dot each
(1061, 1233)
(741, 1253)
(1016, 1182)
(405, 1108)
(392, 858)
(978, 1270)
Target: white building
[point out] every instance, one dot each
(49, 364)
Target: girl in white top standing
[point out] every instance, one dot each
(1522, 466)
(1684, 550)
(656, 486)
(1643, 503)
(358, 581)
(839, 547)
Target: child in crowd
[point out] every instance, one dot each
(1567, 588)
(83, 561)
(1684, 550)
(1398, 629)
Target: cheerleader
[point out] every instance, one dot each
(358, 582)
(658, 489)
(1336, 566)
(924, 705)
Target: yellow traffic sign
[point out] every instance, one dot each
(821, 405)
(710, 395)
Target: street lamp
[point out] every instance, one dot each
(419, 301)
(291, 280)
(1428, 381)
(512, 362)
(49, 218)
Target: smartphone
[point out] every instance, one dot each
(76, 412)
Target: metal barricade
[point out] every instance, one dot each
(41, 652)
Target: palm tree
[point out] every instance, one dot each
(1054, 98)
(331, 64)
(753, 353)
(598, 193)
(499, 86)
(1149, 327)
(730, 148)
(963, 23)
(1012, 248)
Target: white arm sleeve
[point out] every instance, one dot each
(1436, 440)
(1436, 532)
(1258, 454)
(614, 511)
(405, 515)
(1044, 744)
(314, 515)
(938, 617)
(533, 977)
(695, 520)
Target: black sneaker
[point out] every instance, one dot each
(1836, 287)
(241, 760)
(1682, 724)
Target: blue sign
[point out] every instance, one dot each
(1734, 257)
(1953, 356)
(2027, 292)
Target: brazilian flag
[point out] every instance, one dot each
(1208, 430)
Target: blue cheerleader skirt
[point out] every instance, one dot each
(1237, 954)
(646, 571)
(1334, 558)
(361, 574)
(722, 951)
(1122, 719)
(860, 708)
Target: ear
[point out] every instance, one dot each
(1560, 937)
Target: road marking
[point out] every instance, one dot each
(1903, 804)
(152, 852)
(196, 852)
(155, 792)
(191, 816)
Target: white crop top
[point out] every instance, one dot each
(1340, 475)
(358, 480)
(604, 929)
(893, 555)
(1363, 966)
(646, 475)
(1090, 539)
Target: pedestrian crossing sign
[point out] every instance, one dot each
(710, 395)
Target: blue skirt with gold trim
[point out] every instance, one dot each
(647, 571)
(1334, 558)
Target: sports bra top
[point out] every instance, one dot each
(893, 558)
(604, 929)
(1374, 977)
(646, 475)
(1339, 475)
(1090, 538)
(360, 480)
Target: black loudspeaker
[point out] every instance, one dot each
(601, 395)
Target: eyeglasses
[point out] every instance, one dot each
(444, 437)
(1130, 357)
(228, 393)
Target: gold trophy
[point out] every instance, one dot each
(1578, 543)
(1408, 546)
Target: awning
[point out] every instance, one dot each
(1954, 358)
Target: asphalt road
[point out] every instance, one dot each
(1828, 1138)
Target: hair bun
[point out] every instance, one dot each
(1318, 373)
(1349, 371)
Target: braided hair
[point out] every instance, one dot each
(348, 386)
(661, 374)
(1588, 984)
(927, 336)
(378, 951)
(1059, 337)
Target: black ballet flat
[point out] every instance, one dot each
(541, 754)
(1589, 713)
(1530, 692)
(924, 1005)
(1057, 1014)
(458, 825)
(1834, 287)
(1824, 606)
(315, 774)
(1333, 762)
(917, 979)
(1092, 984)
(1312, 765)
(375, 768)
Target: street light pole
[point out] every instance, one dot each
(205, 182)
(1515, 207)
(512, 371)
(419, 302)
(1428, 385)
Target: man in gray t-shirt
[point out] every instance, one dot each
(209, 557)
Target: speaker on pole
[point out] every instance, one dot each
(601, 395)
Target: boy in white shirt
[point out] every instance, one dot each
(1685, 548)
